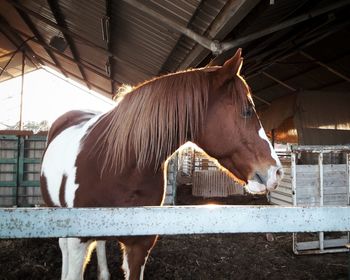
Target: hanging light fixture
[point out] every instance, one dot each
(58, 43)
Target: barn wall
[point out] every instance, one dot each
(320, 117)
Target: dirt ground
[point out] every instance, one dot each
(224, 256)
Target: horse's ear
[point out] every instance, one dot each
(231, 67)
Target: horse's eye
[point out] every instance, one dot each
(247, 112)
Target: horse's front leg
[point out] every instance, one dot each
(78, 256)
(64, 250)
(135, 254)
(103, 273)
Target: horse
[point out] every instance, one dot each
(117, 159)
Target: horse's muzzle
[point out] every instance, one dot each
(260, 183)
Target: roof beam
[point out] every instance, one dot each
(229, 17)
(3, 70)
(278, 81)
(283, 25)
(204, 41)
(299, 44)
(56, 26)
(300, 74)
(43, 44)
(261, 99)
(18, 42)
(109, 62)
(330, 69)
(7, 54)
(78, 37)
(36, 33)
(108, 93)
(55, 9)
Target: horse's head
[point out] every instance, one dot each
(233, 133)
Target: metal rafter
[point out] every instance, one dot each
(37, 34)
(330, 69)
(110, 42)
(298, 74)
(6, 54)
(16, 40)
(43, 44)
(5, 71)
(229, 17)
(55, 9)
(283, 25)
(78, 77)
(279, 81)
(80, 38)
(299, 44)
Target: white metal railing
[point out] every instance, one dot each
(75, 222)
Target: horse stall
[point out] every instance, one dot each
(315, 176)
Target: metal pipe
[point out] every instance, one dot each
(320, 166)
(214, 46)
(229, 17)
(21, 98)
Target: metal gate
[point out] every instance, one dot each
(316, 176)
(20, 161)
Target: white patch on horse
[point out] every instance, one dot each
(59, 160)
(63, 243)
(143, 266)
(263, 136)
(77, 255)
(125, 266)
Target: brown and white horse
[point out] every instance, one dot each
(117, 159)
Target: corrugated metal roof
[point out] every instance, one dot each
(141, 46)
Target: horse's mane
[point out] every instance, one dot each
(155, 118)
